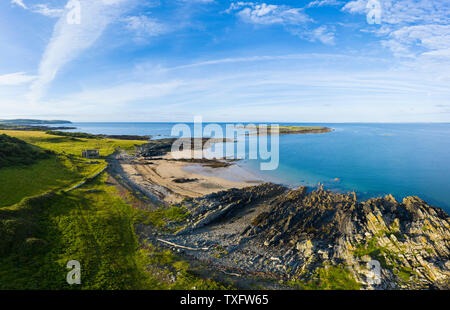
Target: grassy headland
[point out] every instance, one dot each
(63, 168)
(16, 152)
(31, 122)
(43, 225)
(286, 130)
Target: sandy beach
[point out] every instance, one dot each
(167, 179)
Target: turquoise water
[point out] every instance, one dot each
(371, 159)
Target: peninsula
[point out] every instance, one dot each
(32, 122)
(287, 130)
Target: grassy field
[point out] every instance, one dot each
(71, 145)
(93, 224)
(65, 169)
(19, 182)
(16, 152)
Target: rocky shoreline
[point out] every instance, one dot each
(293, 236)
(272, 231)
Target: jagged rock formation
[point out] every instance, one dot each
(161, 147)
(217, 206)
(155, 148)
(384, 243)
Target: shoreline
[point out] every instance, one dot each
(168, 180)
(205, 173)
(214, 212)
(206, 176)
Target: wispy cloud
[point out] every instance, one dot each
(322, 34)
(267, 14)
(41, 8)
(19, 3)
(45, 10)
(262, 58)
(420, 40)
(280, 86)
(411, 28)
(320, 3)
(198, 1)
(294, 20)
(125, 93)
(69, 40)
(187, 74)
(405, 11)
(17, 78)
(143, 26)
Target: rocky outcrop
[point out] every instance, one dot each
(160, 147)
(221, 205)
(155, 148)
(384, 243)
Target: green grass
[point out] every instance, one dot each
(94, 226)
(41, 235)
(295, 128)
(388, 259)
(165, 216)
(328, 278)
(19, 182)
(61, 171)
(72, 134)
(72, 145)
(170, 272)
(292, 129)
(16, 152)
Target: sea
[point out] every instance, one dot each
(371, 159)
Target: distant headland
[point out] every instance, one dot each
(31, 122)
(288, 130)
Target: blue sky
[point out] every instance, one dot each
(285, 61)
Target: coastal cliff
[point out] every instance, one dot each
(297, 236)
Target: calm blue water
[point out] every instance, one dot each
(371, 159)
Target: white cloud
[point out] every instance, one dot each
(300, 87)
(19, 3)
(405, 11)
(320, 3)
(69, 40)
(124, 93)
(43, 9)
(282, 92)
(322, 34)
(16, 78)
(198, 1)
(233, 60)
(266, 14)
(423, 39)
(354, 7)
(411, 28)
(294, 20)
(145, 26)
